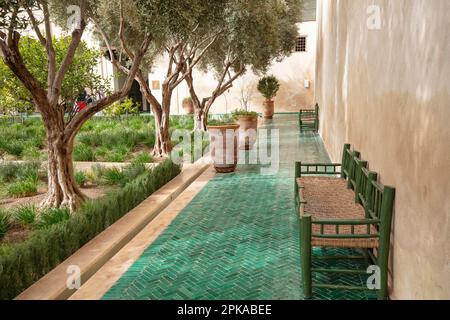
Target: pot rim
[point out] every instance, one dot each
(247, 116)
(224, 126)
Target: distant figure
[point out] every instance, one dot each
(82, 100)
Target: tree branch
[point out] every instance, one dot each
(51, 56)
(190, 62)
(77, 34)
(122, 35)
(139, 76)
(35, 26)
(13, 59)
(77, 122)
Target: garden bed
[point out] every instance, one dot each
(101, 139)
(23, 187)
(53, 235)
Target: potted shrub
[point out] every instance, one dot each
(188, 105)
(268, 87)
(224, 141)
(248, 126)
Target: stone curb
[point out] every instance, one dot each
(93, 255)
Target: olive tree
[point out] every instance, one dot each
(257, 33)
(15, 98)
(185, 30)
(38, 15)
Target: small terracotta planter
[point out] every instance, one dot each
(268, 109)
(188, 107)
(247, 131)
(223, 153)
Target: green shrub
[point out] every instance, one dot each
(82, 152)
(97, 173)
(118, 154)
(25, 215)
(113, 176)
(242, 112)
(268, 86)
(13, 147)
(222, 120)
(148, 137)
(4, 223)
(25, 263)
(8, 172)
(136, 123)
(143, 157)
(31, 153)
(100, 153)
(80, 178)
(126, 107)
(91, 138)
(131, 172)
(50, 217)
(21, 189)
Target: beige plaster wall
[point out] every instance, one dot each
(386, 92)
(291, 72)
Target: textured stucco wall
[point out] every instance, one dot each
(386, 92)
(291, 72)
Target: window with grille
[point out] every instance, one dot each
(300, 44)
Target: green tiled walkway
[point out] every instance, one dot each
(238, 238)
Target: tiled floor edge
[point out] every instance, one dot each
(104, 279)
(93, 255)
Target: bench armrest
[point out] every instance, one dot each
(347, 222)
(317, 169)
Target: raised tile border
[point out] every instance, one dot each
(97, 286)
(93, 255)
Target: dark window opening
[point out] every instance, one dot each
(300, 44)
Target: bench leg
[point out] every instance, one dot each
(385, 232)
(305, 254)
(383, 265)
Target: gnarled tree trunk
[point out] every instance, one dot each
(62, 187)
(198, 119)
(63, 190)
(163, 145)
(199, 107)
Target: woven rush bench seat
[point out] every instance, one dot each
(342, 205)
(329, 198)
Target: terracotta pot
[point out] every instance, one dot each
(247, 131)
(224, 141)
(268, 109)
(188, 107)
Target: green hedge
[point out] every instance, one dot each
(23, 264)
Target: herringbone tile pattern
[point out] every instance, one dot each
(238, 238)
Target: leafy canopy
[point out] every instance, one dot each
(268, 87)
(257, 32)
(81, 74)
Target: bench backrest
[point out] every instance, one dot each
(357, 178)
(377, 199)
(353, 168)
(380, 203)
(365, 188)
(347, 161)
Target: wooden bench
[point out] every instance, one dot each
(343, 206)
(309, 119)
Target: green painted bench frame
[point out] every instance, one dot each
(309, 119)
(378, 203)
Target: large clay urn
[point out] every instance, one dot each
(247, 131)
(268, 109)
(188, 106)
(224, 142)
